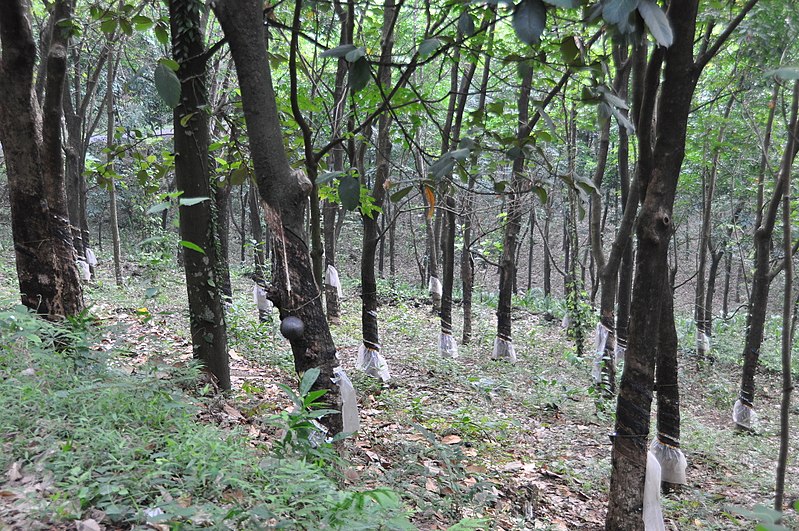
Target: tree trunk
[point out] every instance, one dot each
(32, 144)
(701, 315)
(285, 194)
(788, 323)
(371, 236)
(658, 172)
(503, 346)
(222, 213)
(761, 279)
(447, 345)
(198, 223)
(109, 144)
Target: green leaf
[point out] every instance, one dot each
(466, 24)
(192, 246)
(786, 73)
(169, 63)
(529, 21)
(190, 201)
(541, 192)
(239, 176)
(618, 11)
(427, 47)
(160, 207)
(566, 4)
(354, 55)
(184, 120)
(125, 26)
(360, 74)
(570, 51)
(142, 23)
(328, 176)
(657, 22)
(349, 193)
(338, 51)
(109, 25)
(161, 34)
(398, 195)
(168, 85)
(150, 293)
(441, 167)
(308, 379)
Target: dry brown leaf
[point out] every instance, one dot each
(88, 525)
(451, 439)
(475, 469)
(513, 465)
(232, 412)
(15, 472)
(431, 485)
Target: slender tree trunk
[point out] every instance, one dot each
(447, 345)
(701, 315)
(761, 278)
(788, 325)
(112, 188)
(285, 193)
(222, 214)
(503, 346)
(371, 236)
(198, 223)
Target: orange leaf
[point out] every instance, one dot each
(431, 200)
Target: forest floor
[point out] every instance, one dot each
(470, 440)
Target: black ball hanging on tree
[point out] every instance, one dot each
(292, 327)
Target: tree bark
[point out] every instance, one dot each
(658, 172)
(507, 265)
(285, 193)
(198, 224)
(45, 260)
(761, 279)
(371, 234)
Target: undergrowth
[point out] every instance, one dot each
(132, 446)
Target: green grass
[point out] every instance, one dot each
(131, 446)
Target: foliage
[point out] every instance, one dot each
(131, 445)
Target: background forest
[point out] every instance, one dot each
(363, 265)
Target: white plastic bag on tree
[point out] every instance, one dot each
(702, 343)
(653, 513)
(372, 363)
(503, 350)
(600, 340)
(619, 351)
(447, 346)
(259, 297)
(672, 462)
(91, 259)
(349, 401)
(744, 415)
(84, 271)
(332, 280)
(435, 287)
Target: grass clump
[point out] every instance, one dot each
(132, 446)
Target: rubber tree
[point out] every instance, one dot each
(608, 265)
(284, 192)
(331, 213)
(30, 133)
(661, 134)
(369, 221)
(503, 345)
(198, 223)
(762, 277)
